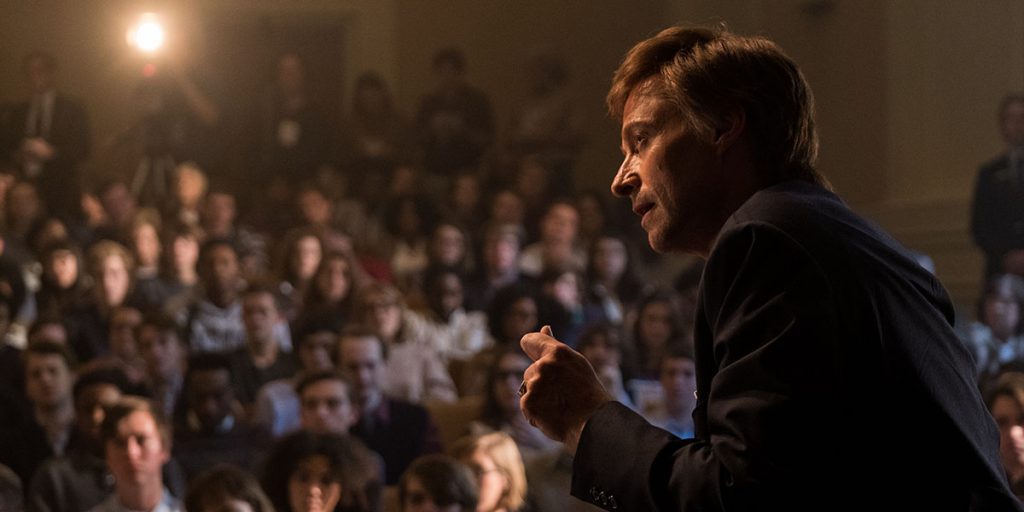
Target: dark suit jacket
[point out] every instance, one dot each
(69, 135)
(828, 378)
(401, 432)
(997, 213)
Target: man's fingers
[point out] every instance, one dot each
(539, 344)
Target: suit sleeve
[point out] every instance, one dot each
(765, 353)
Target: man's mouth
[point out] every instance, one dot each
(643, 208)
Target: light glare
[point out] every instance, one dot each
(148, 36)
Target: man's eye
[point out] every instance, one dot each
(639, 142)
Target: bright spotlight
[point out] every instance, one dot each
(148, 34)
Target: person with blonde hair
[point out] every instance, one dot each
(501, 476)
(111, 268)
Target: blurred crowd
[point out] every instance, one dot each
(339, 328)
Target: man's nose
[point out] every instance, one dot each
(624, 181)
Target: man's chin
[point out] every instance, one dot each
(659, 243)
(664, 242)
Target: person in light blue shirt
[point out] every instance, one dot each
(137, 444)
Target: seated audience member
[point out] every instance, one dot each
(559, 229)
(315, 472)
(327, 408)
(611, 281)
(180, 274)
(318, 213)
(562, 294)
(507, 207)
(501, 412)
(46, 232)
(22, 209)
(514, 312)
(300, 256)
(414, 370)
(261, 359)
(656, 324)
(164, 352)
(137, 443)
(464, 204)
(211, 428)
(331, 294)
(674, 412)
(437, 482)
(190, 185)
(111, 268)
(80, 479)
(213, 322)
(277, 403)
(45, 431)
(995, 338)
(124, 349)
(1005, 401)
(532, 181)
(62, 287)
(596, 218)
(460, 334)
(218, 217)
(150, 291)
(49, 328)
(226, 488)
(602, 345)
(325, 403)
(120, 208)
(499, 265)
(409, 220)
(12, 369)
(449, 246)
(11, 499)
(14, 404)
(501, 477)
(398, 430)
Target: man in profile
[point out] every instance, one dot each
(828, 373)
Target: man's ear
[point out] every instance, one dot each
(730, 129)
